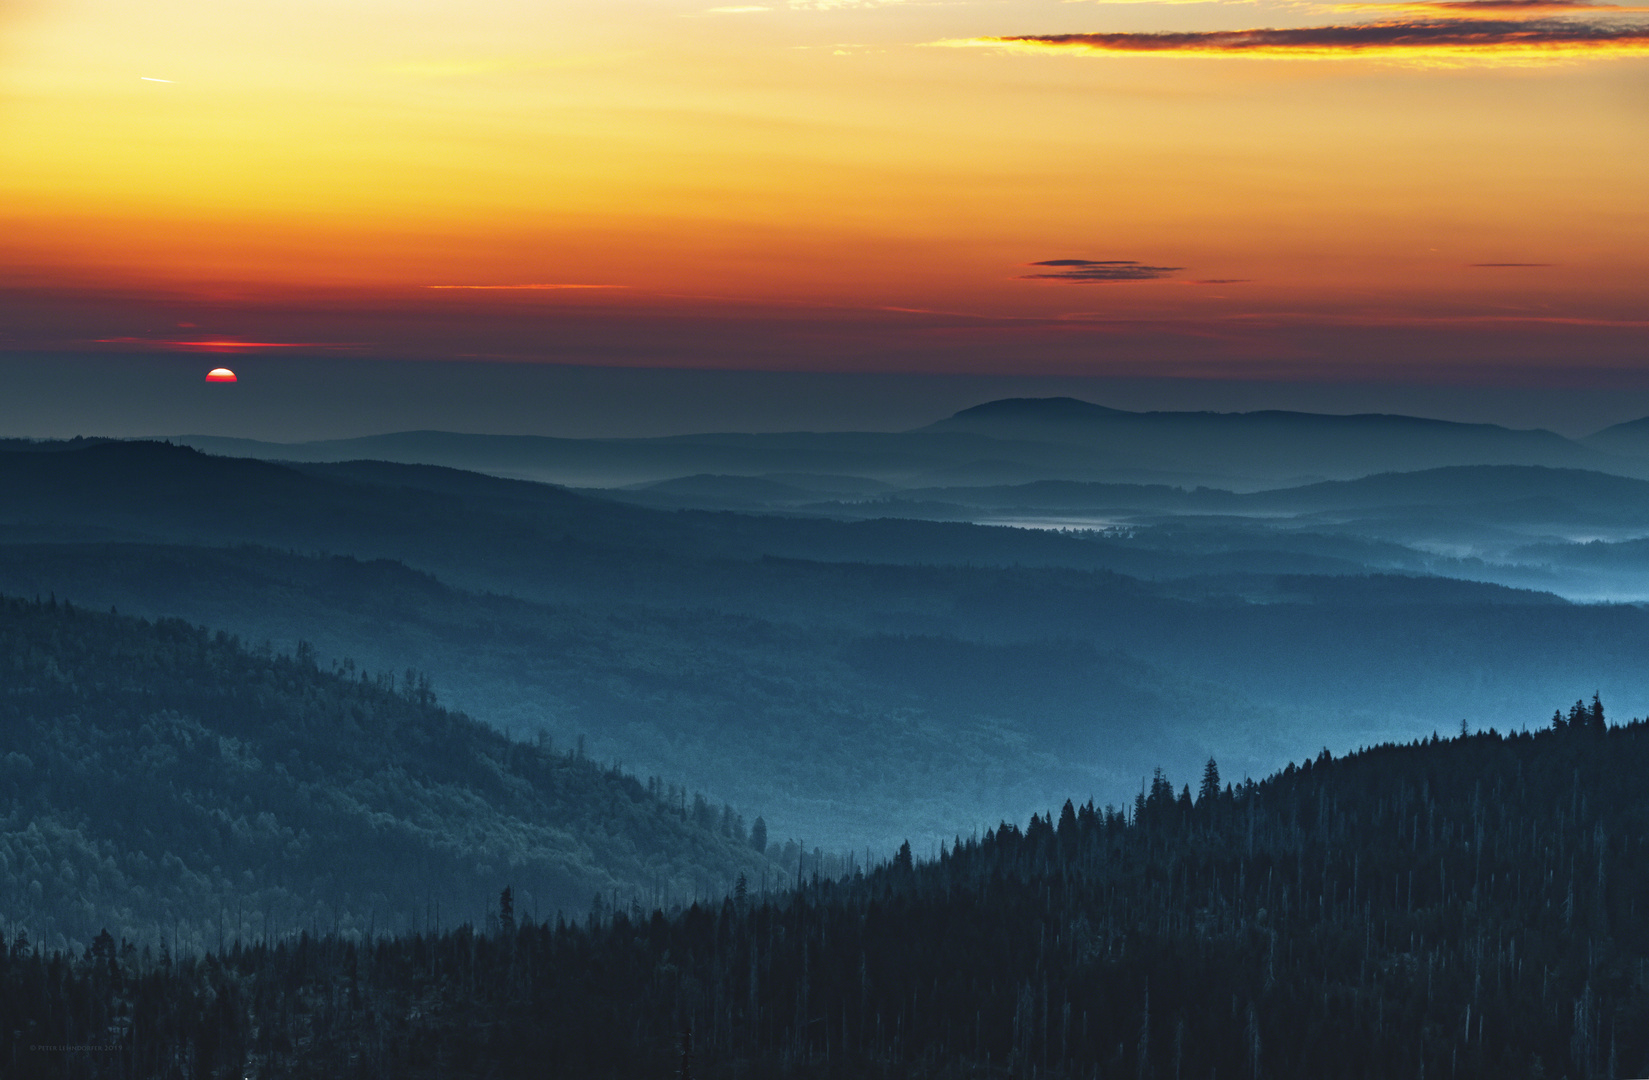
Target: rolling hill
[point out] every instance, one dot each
(835, 674)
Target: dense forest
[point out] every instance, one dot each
(167, 782)
(1468, 906)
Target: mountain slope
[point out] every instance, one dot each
(474, 529)
(1572, 496)
(886, 457)
(1485, 492)
(833, 719)
(1630, 439)
(156, 775)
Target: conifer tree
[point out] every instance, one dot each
(1210, 788)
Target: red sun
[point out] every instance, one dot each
(220, 374)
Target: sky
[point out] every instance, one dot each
(1443, 194)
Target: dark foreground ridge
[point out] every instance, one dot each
(1452, 908)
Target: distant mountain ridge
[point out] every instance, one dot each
(1273, 442)
(1581, 490)
(1013, 440)
(1630, 439)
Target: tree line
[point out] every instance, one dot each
(1451, 907)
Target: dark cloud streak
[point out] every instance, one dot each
(1502, 8)
(1098, 270)
(1392, 36)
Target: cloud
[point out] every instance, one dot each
(531, 287)
(1439, 41)
(833, 5)
(1493, 9)
(1118, 3)
(464, 67)
(228, 345)
(1098, 270)
(1502, 266)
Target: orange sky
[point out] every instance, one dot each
(756, 187)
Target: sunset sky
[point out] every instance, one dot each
(1431, 193)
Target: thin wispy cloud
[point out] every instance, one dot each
(530, 287)
(1507, 265)
(833, 5)
(1454, 39)
(220, 345)
(1097, 270)
(470, 66)
(1166, 3)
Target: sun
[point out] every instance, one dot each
(220, 374)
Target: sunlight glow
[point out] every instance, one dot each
(459, 167)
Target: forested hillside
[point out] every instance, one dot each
(1450, 908)
(168, 783)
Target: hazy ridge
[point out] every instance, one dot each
(784, 664)
(1009, 441)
